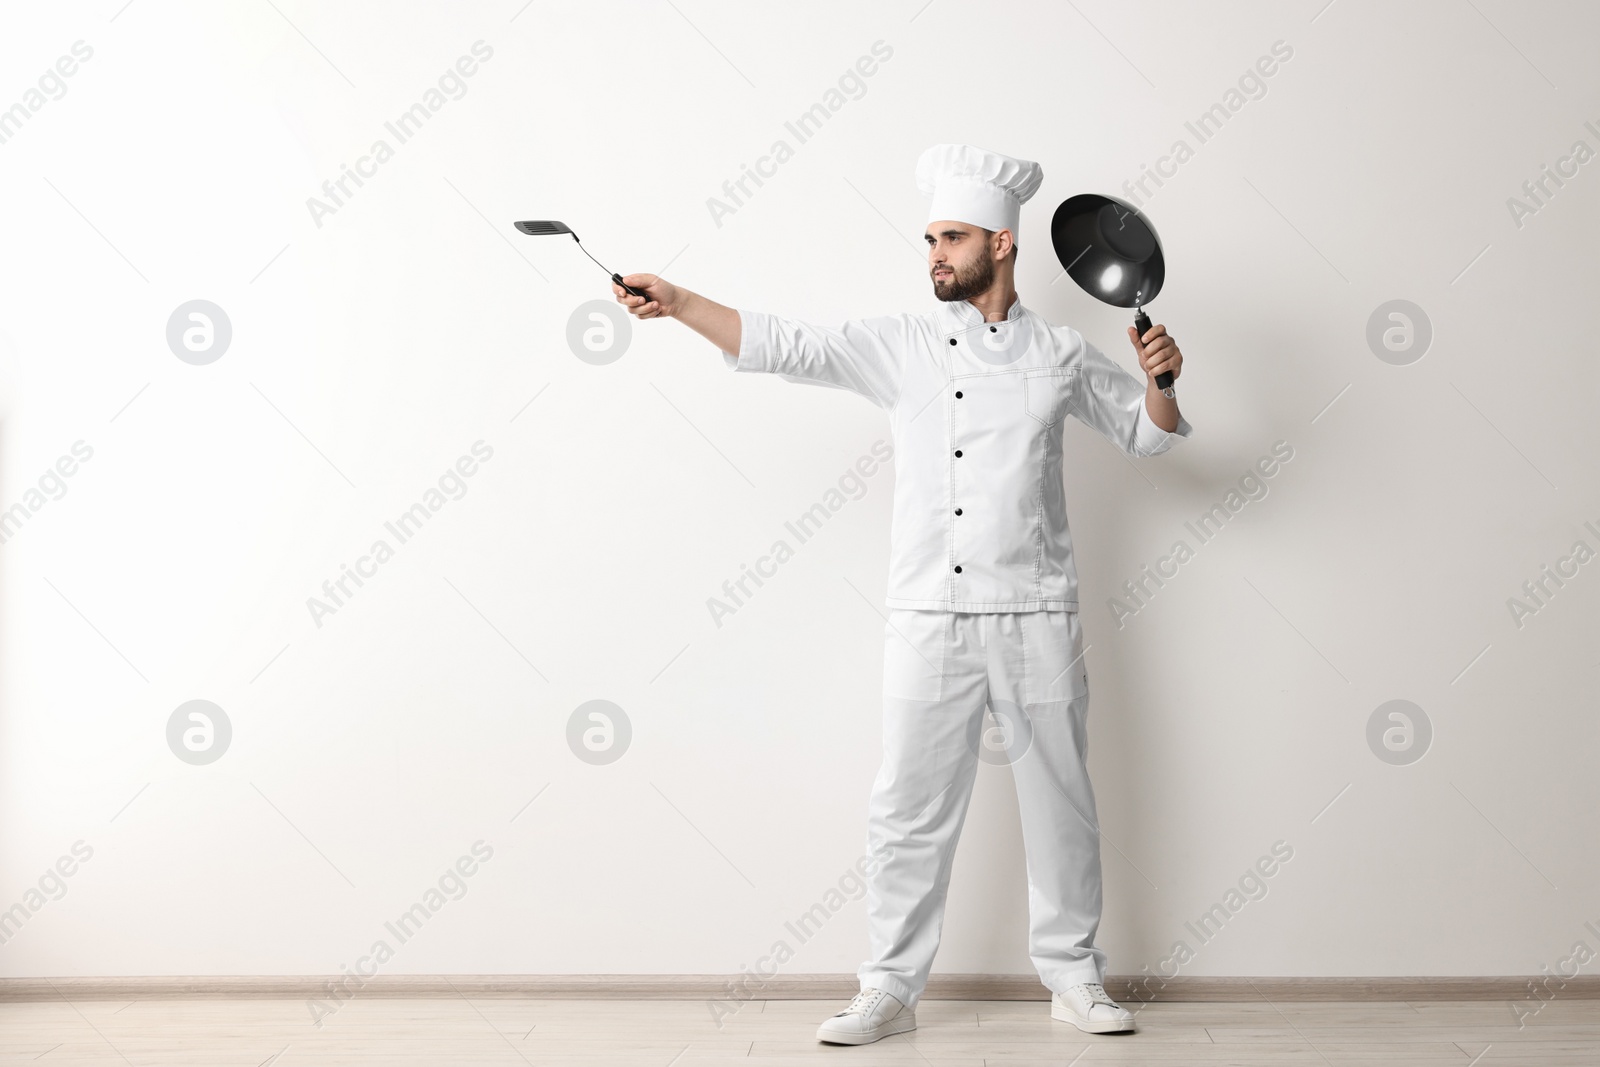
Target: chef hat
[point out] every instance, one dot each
(972, 185)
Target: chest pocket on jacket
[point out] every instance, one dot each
(1046, 391)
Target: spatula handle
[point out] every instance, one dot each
(636, 292)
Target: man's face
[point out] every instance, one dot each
(959, 260)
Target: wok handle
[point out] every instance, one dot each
(1141, 322)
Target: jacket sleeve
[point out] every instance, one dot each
(1111, 399)
(861, 356)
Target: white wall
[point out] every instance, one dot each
(371, 351)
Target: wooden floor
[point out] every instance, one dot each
(659, 1033)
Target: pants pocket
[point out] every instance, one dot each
(1053, 646)
(914, 644)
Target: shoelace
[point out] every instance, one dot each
(1097, 995)
(863, 1003)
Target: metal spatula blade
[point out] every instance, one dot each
(539, 227)
(542, 227)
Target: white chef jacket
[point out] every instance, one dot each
(976, 409)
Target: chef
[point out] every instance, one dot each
(983, 590)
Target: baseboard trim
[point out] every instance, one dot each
(1129, 989)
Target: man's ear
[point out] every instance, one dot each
(1005, 242)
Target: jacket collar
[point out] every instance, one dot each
(963, 315)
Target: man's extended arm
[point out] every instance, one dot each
(861, 356)
(711, 320)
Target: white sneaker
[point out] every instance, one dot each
(1087, 1007)
(873, 1014)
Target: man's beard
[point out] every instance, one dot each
(965, 285)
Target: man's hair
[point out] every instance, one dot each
(1015, 248)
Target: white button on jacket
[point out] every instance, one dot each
(976, 410)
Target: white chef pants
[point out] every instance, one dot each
(941, 669)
